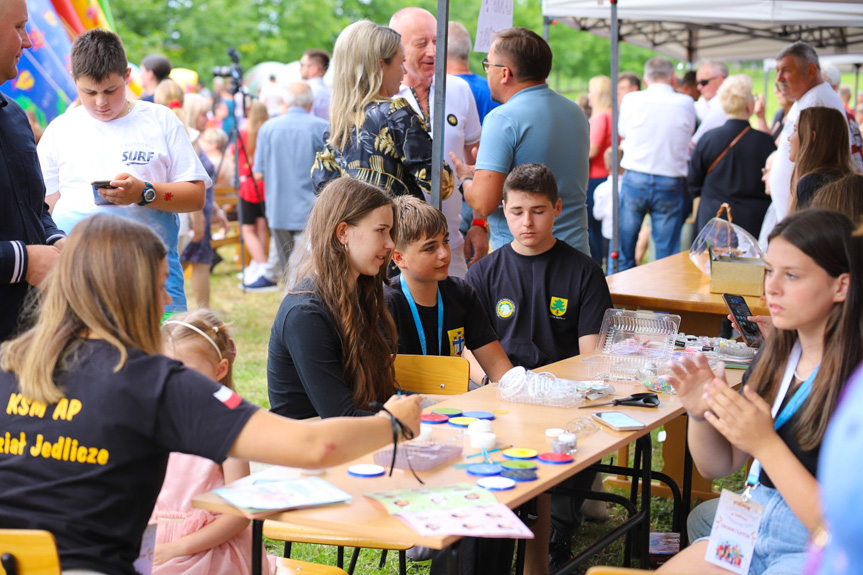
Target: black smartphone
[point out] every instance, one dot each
(740, 311)
(100, 201)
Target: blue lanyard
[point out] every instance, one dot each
(420, 331)
(799, 397)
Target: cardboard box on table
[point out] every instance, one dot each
(737, 275)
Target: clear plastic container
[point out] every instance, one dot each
(632, 344)
(521, 385)
(443, 443)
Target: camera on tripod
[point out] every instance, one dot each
(234, 71)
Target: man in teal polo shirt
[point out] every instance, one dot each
(534, 125)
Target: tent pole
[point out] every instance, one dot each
(856, 84)
(545, 22)
(766, 69)
(439, 102)
(613, 260)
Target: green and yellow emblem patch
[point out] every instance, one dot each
(558, 306)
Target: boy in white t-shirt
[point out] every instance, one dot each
(141, 149)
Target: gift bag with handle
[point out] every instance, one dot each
(723, 238)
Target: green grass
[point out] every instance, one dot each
(251, 315)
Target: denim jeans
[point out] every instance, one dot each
(781, 541)
(662, 198)
(598, 247)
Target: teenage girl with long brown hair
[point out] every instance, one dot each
(333, 338)
(814, 288)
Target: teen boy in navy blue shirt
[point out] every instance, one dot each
(546, 301)
(436, 314)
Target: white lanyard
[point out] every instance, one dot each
(790, 368)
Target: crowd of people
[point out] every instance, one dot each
(508, 272)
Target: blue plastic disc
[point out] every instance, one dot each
(520, 475)
(479, 414)
(496, 483)
(366, 470)
(484, 469)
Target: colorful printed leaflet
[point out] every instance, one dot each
(264, 497)
(461, 509)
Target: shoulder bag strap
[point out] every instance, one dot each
(725, 151)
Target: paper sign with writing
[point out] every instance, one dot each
(732, 538)
(494, 15)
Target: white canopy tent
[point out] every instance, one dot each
(725, 30)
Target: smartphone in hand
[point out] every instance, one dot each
(100, 201)
(740, 311)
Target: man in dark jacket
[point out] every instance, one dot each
(29, 240)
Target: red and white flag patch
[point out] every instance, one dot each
(229, 397)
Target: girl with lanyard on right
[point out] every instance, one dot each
(813, 288)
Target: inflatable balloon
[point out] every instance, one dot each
(135, 80)
(90, 13)
(187, 79)
(66, 11)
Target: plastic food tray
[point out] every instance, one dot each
(632, 344)
(442, 445)
(523, 386)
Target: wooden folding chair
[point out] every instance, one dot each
(293, 566)
(432, 374)
(292, 533)
(28, 552)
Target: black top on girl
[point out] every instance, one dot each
(813, 287)
(98, 410)
(333, 337)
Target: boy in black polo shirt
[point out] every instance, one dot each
(436, 314)
(546, 301)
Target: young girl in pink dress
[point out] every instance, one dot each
(188, 540)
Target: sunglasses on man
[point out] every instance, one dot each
(703, 83)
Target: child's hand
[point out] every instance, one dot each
(689, 377)
(165, 552)
(406, 408)
(744, 420)
(764, 322)
(129, 190)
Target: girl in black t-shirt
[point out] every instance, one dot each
(814, 288)
(98, 409)
(332, 341)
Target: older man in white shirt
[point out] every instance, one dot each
(708, 80)
(418, 29)
(798, 77)
(658, 124)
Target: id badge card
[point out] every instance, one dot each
(732, 538)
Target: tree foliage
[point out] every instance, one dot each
(195, 33)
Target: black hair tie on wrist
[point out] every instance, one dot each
(399, 428)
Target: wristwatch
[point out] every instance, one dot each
(148, 195)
